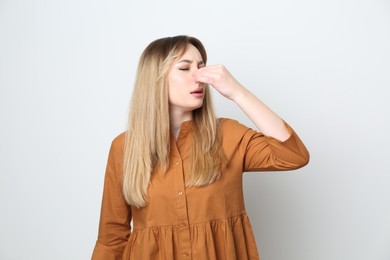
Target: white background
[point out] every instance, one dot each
(66, 75)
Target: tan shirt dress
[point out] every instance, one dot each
(207, 223)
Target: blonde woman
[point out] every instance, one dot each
(176, 172)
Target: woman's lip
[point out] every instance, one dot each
(197, 91)
(198, 94)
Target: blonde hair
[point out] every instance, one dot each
(147, 141)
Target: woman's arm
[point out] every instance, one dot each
(268, 122)
(115, 215)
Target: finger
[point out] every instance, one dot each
(209, 74)
(211, 77)
(209, 71)
(205, 79)
(213, 68)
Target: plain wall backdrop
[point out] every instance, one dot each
(66, 75)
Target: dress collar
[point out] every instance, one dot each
(185, 128)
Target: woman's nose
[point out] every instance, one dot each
(194, 73)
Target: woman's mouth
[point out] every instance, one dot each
(199, 92)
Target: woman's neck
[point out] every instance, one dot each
(176, 118)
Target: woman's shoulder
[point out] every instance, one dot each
(229, 122)
(232, 126)
(119, 140)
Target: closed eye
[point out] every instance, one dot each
(184, 69)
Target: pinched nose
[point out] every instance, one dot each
(195, 79)
(194, 74)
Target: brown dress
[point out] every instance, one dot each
(208, 223)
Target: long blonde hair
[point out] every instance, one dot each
(147, 141)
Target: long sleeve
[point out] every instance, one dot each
(115, 215)
(267, 153)
(262, 153)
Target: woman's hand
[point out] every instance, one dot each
(220, 78)
(264, 118)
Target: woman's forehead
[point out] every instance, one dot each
(191, 54)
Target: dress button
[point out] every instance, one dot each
(180, 193)
(177, 163)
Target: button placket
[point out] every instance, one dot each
(183, 227)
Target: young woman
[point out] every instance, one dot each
(176, 172)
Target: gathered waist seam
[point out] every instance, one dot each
(243, 214)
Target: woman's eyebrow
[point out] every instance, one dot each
(201, 62)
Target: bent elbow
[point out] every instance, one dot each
(303, 160)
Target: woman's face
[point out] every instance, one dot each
(184, 93)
